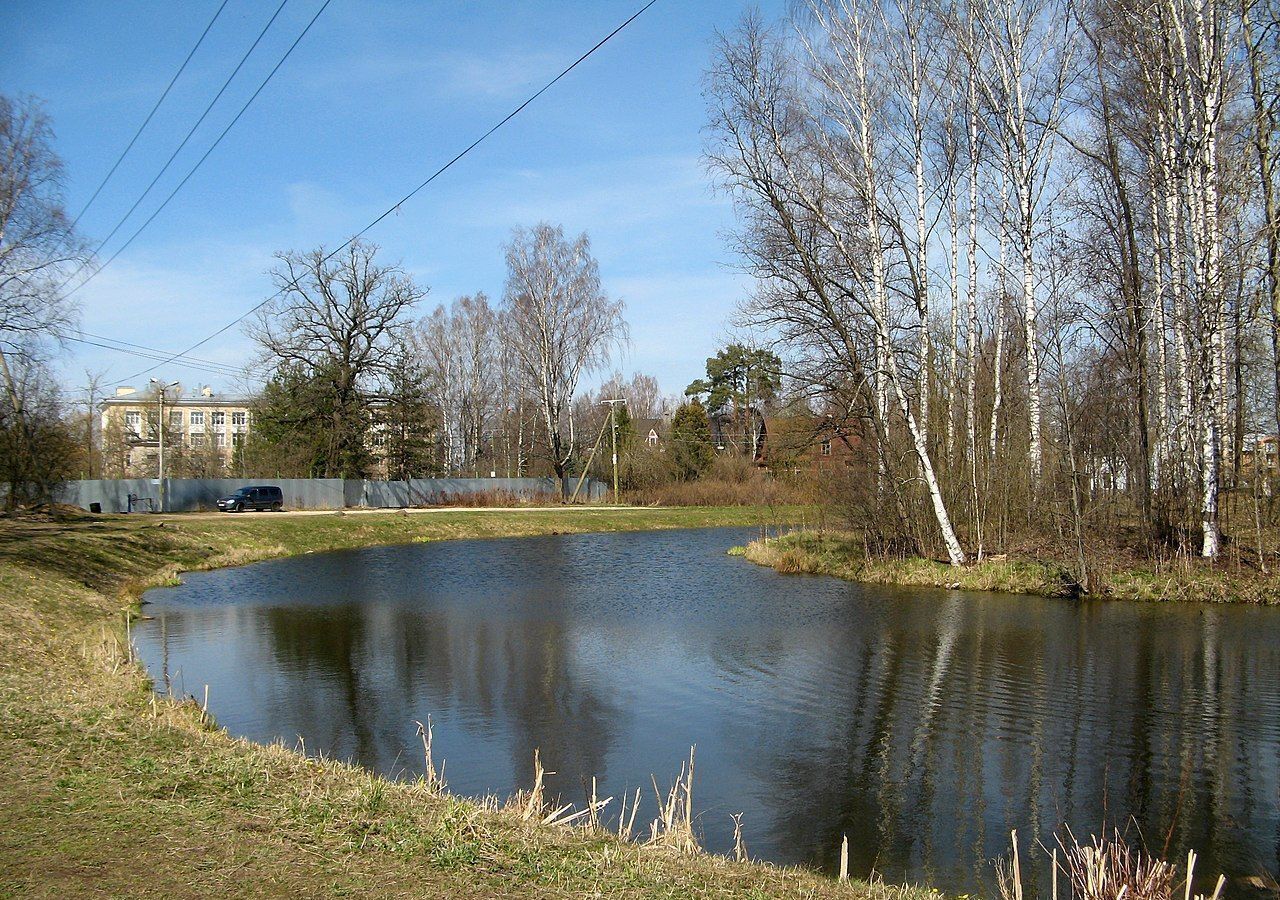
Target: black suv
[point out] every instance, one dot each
(265, 497)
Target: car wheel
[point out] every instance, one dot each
(277, 507)
(239, 507)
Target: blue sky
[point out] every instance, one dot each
(377, 96)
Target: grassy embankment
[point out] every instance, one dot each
(106, 789)
(841, 555)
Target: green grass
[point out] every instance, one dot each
(107, 790)
(842, 555)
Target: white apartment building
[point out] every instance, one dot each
(207, 426)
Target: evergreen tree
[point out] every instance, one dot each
(408, 420)
(691, 450)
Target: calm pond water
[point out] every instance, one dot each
(924, 724)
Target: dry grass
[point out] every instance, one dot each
(110, 790)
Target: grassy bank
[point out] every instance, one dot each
(107, 790)
(843, 556)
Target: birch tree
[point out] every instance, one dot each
(816, 195)
(561, 324)
(1025, 46)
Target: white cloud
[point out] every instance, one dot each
(452, 74)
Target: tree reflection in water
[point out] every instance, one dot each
(923, 724)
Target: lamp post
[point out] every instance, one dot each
(161, 388)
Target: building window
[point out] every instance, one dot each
(197, 418)
(133, 421)
(219, 419)
(175, 419)
(826, 447)
(220, 439)
(197, 440)
(239, 418)
(237, 440)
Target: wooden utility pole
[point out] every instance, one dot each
(613, 418)
(161, 387)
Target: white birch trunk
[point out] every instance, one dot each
(973, 338)
(953, 362)
(879, 304)
(997, 374)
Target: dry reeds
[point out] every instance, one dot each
(739, 845)
(625, 824)
(1106, 868)
(674, 825)
(431, 779)
(672, 828)
(533, 805)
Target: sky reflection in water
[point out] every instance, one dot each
(924, 724)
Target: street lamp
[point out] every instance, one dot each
(161, 387)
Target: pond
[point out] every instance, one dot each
(924, 724)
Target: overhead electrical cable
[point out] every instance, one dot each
(159, 209)
(147, 121)
(395, 206)
(126, 347)
(141, 354)
(174, 154)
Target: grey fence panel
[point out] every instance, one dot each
(311, 493)
(435, 491)
(352, 493)
(193, 494)
(384, 494)
(112, 494)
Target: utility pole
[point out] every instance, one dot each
(613, 415)
(91, 421)
(161, 387)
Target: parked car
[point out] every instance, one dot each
(258, 497)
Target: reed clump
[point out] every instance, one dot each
(1105, 868)
(673, 826)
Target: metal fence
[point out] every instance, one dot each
(117, 495)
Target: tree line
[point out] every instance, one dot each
(1030, 244)
(474, 387)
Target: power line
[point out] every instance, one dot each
(147, 121)
(162, 353)
(434, 175)
(158, 356)
(173, 156)
(151, 218)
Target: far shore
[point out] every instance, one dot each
(843, 555)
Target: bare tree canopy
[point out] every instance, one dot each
(37, 241)
(37, 244)
(461, 346)
(338, 319)
(560, 323)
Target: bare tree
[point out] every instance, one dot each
(1026, 48)
(37, 244)
(462, 348)
(37, 241)
(802, 159)
(560, 323)
(642, 393)
(336, 319)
